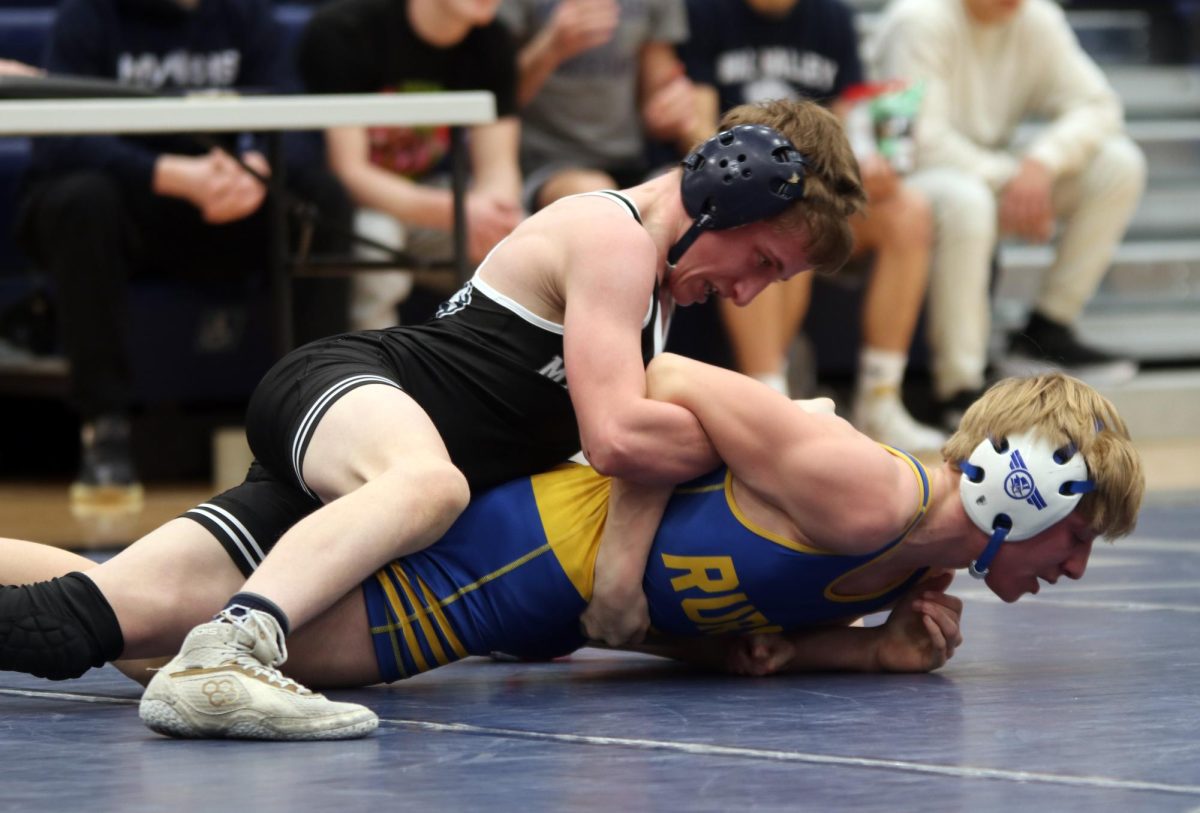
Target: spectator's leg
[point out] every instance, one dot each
(1096, 206)
(571, 182)
(77, 227)
(320, 304)
(761, 331)
(964, 211)
(900, 233)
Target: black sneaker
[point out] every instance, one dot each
(1046, 346)
(107, 481)
(950, 411)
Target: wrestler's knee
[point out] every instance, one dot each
(57, 629)
(440, 486)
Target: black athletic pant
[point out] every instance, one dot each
(94, 236)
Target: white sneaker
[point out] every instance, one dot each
(884, 418)
(223, 683)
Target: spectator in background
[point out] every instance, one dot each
(986, 66)
(398, 177)
(100, 210)
(749, 50)
(597, 77)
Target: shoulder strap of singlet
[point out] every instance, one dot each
(613, 195)
(922, 476)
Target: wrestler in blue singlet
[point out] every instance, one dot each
(514, 573)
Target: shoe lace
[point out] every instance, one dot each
(246, 659)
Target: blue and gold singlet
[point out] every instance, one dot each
(514, 573)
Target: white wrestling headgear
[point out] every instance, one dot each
(1014, 488)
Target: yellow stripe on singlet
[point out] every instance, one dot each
(397, 608)
(419, 616)
(443, 623)
(701, 489)
(404, 616)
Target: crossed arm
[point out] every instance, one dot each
(769, 442)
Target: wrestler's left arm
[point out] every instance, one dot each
(848, 494)
(921, 633)
(618, 613)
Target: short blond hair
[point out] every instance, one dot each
(1064, 410)
(832, 187)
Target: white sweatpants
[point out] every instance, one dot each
(1094, 207)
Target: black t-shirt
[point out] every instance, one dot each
(364, 46)
(369, 46)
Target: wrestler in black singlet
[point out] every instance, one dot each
(488, 372)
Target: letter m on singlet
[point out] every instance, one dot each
(555, 370)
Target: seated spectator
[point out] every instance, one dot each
(101, 210)
(747, 50)
(988, 65)
(597, 78)
(399, 177)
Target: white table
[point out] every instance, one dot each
(24, 116)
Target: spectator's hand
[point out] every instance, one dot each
(580, 25)
(233, 193)
(669, 113)
(1026, 207)
(213, 183)
(879, 179)
(10, 67)
(489, 220)
(759, 654)
(922, 631)
(618, 613)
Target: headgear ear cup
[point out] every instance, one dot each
(1015, 488)
(747, 173)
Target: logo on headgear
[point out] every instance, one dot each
(1019, 483)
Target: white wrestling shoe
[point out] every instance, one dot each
(224, 684)
(884, 418)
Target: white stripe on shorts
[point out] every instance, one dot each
(249, 537)
(310, 418)
(229, 532)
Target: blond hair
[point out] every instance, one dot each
(1063, 410)
(832, 186)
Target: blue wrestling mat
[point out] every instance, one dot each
(1082, 698)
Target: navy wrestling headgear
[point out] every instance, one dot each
(1016, 487)
(741, 175)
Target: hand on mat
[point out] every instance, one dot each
(923, 630)
(618, 614)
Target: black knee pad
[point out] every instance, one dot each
(57, 629)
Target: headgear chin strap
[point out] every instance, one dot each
(1016, 487)
(741, 175)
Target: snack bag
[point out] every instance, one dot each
(881, 120)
